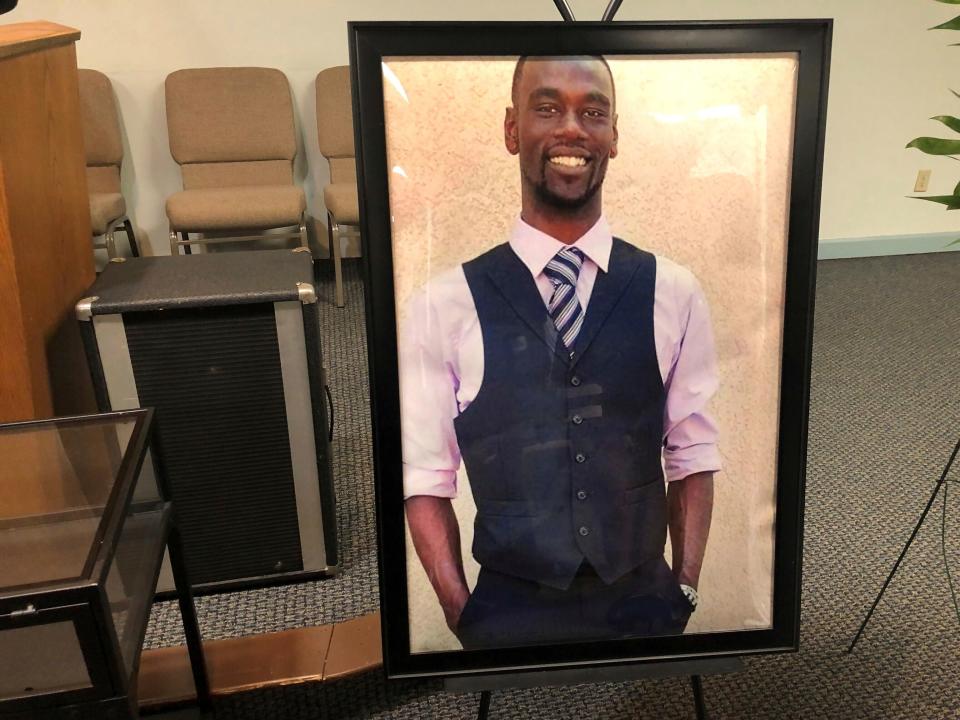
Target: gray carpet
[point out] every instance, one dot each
(885, 413)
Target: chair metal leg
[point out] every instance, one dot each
(338, 267)
(181, 240)
(110, 238)
(111, 243)
(303, 232)
(128, 229)
(333, 233)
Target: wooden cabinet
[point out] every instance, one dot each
(46, 260)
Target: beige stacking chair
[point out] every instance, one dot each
(104, 149)
(231, 131)
(335, 134)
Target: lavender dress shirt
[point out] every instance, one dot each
(441, 361)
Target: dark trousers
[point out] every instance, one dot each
(505, 610)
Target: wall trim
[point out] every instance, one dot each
(887, 245)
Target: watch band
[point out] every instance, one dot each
(693, 597)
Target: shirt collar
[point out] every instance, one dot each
(536, 248)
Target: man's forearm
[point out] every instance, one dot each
(436, 537)
(690, 506)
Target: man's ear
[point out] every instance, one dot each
(510, 137)
(616, 136)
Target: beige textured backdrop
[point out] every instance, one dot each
(703, 178)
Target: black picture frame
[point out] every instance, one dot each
(370, 43)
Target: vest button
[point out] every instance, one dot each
(580, 458)
(575, 381)
(581, 494)
(584, 530)
(577, 419)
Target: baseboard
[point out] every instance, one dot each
(887, 245)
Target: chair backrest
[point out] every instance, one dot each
(335, 122)
(102, 141)
(231, 126)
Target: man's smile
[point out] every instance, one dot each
(568, 161)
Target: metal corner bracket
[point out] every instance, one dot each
(307, 294)
(85, 308)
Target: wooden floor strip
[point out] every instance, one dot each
(354, 647)
(313, 654)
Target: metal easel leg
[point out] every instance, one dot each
(698, 703)
(484, 705)
(913, 535)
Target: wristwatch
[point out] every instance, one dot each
(693, 597)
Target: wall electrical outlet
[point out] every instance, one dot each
(923, 181)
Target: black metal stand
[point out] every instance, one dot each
(183, 588)
(484, 705)
(694, 669)
(698, 703)
(913, 535)
(699, 706)
(188, 613)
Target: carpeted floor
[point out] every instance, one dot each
(884, 416)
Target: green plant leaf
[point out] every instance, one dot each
(935, 146)
(950, 2)
(949, 25)
(952, 202)
(950, 121)
(956, 190)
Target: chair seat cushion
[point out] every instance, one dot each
(342, 202)
(104, 209)
(255, 207)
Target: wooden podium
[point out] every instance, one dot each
(46, 258)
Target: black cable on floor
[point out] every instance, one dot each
(943, 547)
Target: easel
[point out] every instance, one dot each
(694, 669)
(916, 529)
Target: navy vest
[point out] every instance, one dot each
(564, 454)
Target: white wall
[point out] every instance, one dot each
(888, 75)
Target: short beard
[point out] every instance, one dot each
(548, 197)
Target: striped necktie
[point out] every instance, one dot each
(563, 271)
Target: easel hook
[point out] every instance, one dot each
(611, 10)
(567, 14)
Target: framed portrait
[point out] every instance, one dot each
(590, 254)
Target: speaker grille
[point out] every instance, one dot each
(213, 375)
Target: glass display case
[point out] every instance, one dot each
(84, 521)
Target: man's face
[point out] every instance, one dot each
(564, 129)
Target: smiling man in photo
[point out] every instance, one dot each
(570, 372)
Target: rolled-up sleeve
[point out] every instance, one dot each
(690, 433)
(428, 403)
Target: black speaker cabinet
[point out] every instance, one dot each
(226, 347)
